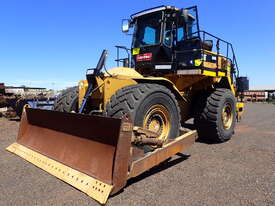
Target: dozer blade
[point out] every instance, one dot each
(90, 153)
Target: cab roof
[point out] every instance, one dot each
(152, 10)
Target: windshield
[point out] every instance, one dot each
(147, 30)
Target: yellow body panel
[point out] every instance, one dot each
(221, 74)
(184, 86)
(239, 109)
(82, 87)
(209, 73)
(123, 73)
(111, 85)
(161, 79)
(182, 82)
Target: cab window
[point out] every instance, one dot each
(180, 34)
(147, 30)
(168, 34)
(149, 36)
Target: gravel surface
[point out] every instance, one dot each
(238, 172)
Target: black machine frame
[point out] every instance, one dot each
(173, 52)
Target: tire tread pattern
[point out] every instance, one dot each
(127, 99)
(64, 102)
(207, 114)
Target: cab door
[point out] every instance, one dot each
(188, 42)
(165, 54)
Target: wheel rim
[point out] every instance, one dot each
(227, 116)
(157, 119)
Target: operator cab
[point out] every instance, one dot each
(167, 39)
(159, 33)
(152, 39)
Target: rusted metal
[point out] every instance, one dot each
(3, 101)
(142, 136)
(144, 140)
(89, 144)
(10, 113)
(122, 155)
(148, 133)
(159, 155)
(136, 153)
(99, 147)
(15, 101)
(93, 187)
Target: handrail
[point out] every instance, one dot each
(120, 60)
(228, 46)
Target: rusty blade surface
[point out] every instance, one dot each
(85, 143)
(159, 155)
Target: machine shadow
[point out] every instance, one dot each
(161, 167)
(199, 139)
(189, 126)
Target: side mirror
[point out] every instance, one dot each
(125, 25)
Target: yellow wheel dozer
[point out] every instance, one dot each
(120, 123)
(91, 153)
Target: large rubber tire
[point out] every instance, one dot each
(208, 115)
(136, 101)
(67, 101)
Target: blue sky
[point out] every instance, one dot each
(51, 43)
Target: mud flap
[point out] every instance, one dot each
(87, 152)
